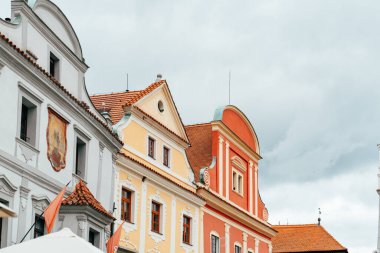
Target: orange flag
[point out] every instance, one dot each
(113, 242)
(52, 211)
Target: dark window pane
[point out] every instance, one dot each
(24, 123)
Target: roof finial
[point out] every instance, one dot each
(159, 77)
(127, 84)
(229, 87)
(319, 216)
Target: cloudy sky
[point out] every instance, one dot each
(306, 73)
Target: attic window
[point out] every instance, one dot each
(54, 66)
(161, 106)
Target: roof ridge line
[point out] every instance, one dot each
(111, 93)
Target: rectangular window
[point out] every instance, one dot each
(151, 147)
(3, 227)
(214, 244)
(186, 229)
(166, 156)
(237, 249)
(237, 182)
(94, 237)
(156, 215)
(80, 157)
(28, 122)
(39, 227)
(54, 66)
(126, 205)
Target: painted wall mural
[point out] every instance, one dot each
(56, 140)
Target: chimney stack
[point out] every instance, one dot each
(159, 77)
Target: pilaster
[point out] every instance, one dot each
(227, 170)
(245, 237)
(227, 236)
(220, 166)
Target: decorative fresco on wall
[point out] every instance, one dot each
(56, 140)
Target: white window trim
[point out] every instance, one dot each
(128, 227)
(214, 233)
(238, 173)
(82, 137)
(39, 204)
(250, 250)
(154, 158)
(169, 158)
(186, 246)
(157, 237)
(37, 101)
(96, 229)
(239, 245)
(59, 67)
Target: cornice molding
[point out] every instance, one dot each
(223, 207)
(221, 127)
(140, 170)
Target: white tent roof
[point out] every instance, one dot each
(6, 211)
(64, 241)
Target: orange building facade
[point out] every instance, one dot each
(224, 155)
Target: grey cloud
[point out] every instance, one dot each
(305, 72)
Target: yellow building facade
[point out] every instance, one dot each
(155, 192)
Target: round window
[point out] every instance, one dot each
(161, 106)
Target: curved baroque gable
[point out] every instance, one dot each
(58, 23)
(236, 120)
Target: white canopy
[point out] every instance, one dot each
(6, 211)
(64, 241)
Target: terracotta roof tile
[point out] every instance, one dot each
(81, 104)
(199, 153)
(113, 103)
(304, 238)
(82, 196)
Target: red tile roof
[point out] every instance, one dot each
(199, 153)
(82, 196)
(81, 104)
(304, 238)
(115, 102)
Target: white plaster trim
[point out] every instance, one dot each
(257, 242)
(143, 216)
(227, 236)
(234, 224)
(220, 166)
(127, 184)
(214, 233)
(227, 170)
(172, 225)
(251, 188)
(1, 66)
(238, 163)
(256, 191)
(163, 213)
(250, 250)
(188, 248)
(239, 174)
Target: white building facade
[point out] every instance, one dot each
(50, 133)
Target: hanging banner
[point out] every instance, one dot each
(56, 140)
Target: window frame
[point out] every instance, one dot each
(236, 186)
(156, 213)
(217, 246)
(154, 141)
(56, 64)
(131, 200)
(36, 101)
(97, 235)
(37, 219)
(168, 156)
(186, 226)
(237, 246)
(85, 139)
